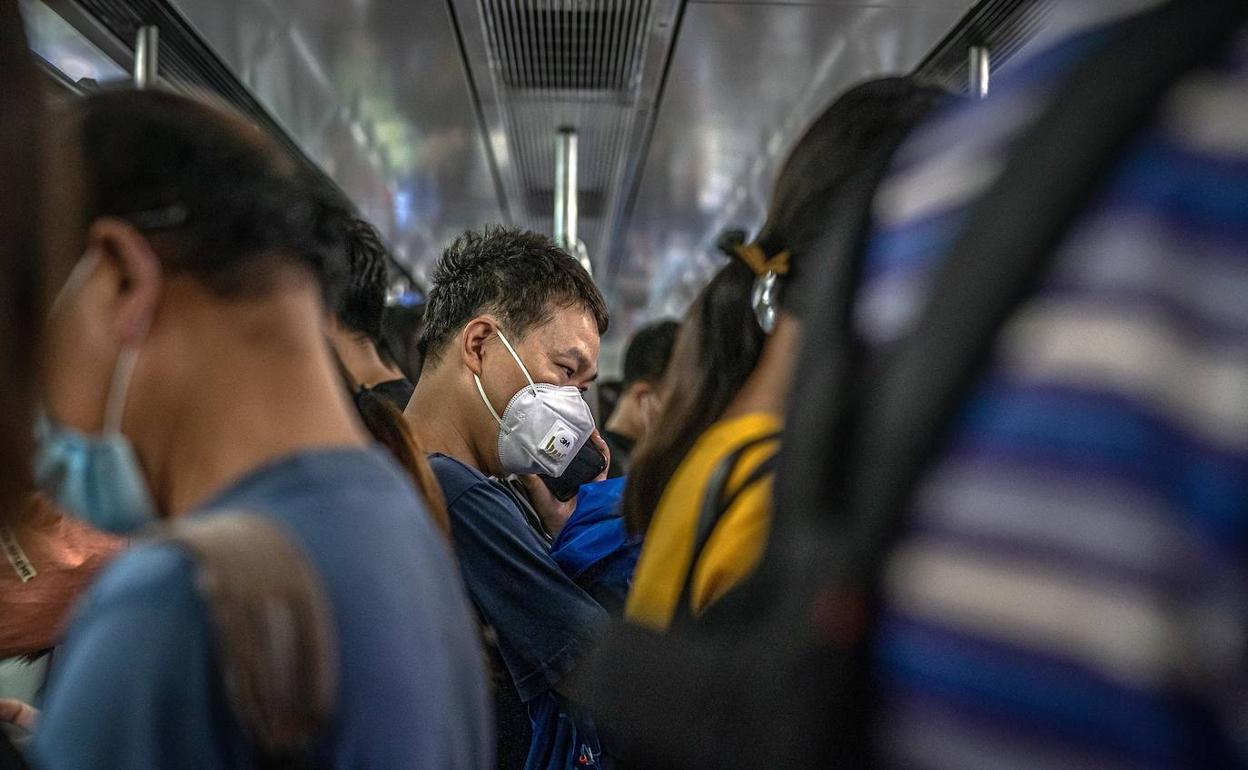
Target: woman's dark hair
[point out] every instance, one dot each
(388, 427)
(21, 253)
(715, 351)
(834, 167)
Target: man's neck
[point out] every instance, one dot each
(767, 388)
(436, 420)
(254, 391)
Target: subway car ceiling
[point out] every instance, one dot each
(440, 115)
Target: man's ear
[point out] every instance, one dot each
(640, 393)
(472, 341)
(135, 270)
(641, 390)
(647, 398)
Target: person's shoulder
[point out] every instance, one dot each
(148, 575)
(481, 507)
(142, 643)
(145, 600)
(457, 478)
(148, 588)
(752, 437)
(729, 434)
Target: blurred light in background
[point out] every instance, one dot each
(64, 48)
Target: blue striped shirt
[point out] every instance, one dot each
(1072, 590)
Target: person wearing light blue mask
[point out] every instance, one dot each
(95, 477)
(184, 375)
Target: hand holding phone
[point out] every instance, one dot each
(15, 712)
(588, 465)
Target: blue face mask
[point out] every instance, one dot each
(96, 478)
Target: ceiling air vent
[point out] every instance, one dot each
(594, 66)
(561, 46)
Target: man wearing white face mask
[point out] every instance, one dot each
(186, 375)
(511, 339)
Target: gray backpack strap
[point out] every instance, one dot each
(273, 629)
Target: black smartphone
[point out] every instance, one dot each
(588, 464)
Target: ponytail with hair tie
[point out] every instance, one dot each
(753, 255)
(767, 271)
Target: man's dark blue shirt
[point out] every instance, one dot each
(543, 621)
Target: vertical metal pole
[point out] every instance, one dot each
(980, 64)
(565, 189)
(145, 55)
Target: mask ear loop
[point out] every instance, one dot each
(519, 363)
(486, 399)
(119, 389)
(77, 277)
(127, 360)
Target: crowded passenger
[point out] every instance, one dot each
(1068, 587)
(26, 245)
(1053, 578)
(400, 337)
(718, 346)
(355, 329)
(355, 333)
(631, 419)
(510, 342)
(723, 419)
(51, 559)
(183, 359)
(1063, 584)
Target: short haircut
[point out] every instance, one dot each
(219, 199)
(519, 276)
(363, 300)
(648, 352)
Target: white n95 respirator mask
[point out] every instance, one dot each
(543, 426)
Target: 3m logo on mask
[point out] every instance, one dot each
(558, 442)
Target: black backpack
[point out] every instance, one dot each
(774, 674)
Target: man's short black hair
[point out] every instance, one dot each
(218, 198)
(649, 351)
(519, 276)
(363, 299)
